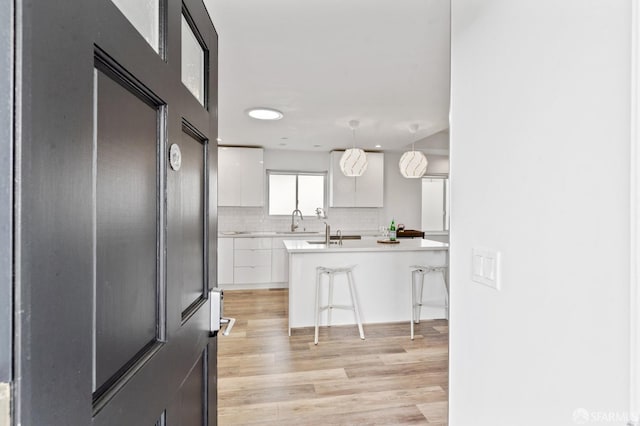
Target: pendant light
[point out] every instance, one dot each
(413, 164)
(354, 160)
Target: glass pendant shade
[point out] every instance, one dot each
(353, 162)
(413, 164)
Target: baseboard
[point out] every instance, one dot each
(258, 286)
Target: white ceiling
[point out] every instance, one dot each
(326, 62)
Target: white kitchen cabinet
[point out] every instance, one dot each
(255, 262)
(240, 176)
(279, 266)
(252, 243)
(279, 262)
(280, 257)
(252, 274)
(225, 261)
(252, 260)
(363, 191)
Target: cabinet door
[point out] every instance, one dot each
(252, 258)
(369, 191)
(279, 265)
(252, 274)
(252, 243)
(342, 188)
(252, 177)
(228, 177)
(225, 260)
(240, 177)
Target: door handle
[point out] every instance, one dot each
(229, 322)
(216, 296)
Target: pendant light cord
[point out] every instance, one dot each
(353, 124)
(413, 129)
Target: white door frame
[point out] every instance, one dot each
(634, 261)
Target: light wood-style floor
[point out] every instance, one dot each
(267, 377)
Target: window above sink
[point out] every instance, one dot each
(287, 188)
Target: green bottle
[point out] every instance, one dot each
(392, 230)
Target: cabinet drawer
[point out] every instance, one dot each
(252, 274)
(225, 260)
(253, 243)
(252, 257)
(279, 265)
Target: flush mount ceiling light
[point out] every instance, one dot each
(354, 160)
(413, 164)
(264, 114)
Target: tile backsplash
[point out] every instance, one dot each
(257, 219)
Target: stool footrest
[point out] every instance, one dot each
(346, 307)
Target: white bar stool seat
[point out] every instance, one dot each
(331, 272)
(416, 293)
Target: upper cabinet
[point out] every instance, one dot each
(364, 191)
(240, 176)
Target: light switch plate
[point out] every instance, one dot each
(486, 267)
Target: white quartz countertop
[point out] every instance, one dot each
(303, 246)
(288, 234)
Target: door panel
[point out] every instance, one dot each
(115, 250)
(53, 214)
(192, 396)
(127, 281)
(192, 190)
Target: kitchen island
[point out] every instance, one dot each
(382, 279)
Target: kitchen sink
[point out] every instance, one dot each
(295, 232)
(258, 233)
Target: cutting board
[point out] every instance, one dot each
(388, 242)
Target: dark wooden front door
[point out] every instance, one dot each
(115, 213)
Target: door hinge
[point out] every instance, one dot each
(5, 404)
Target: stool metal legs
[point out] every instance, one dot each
(354, 302)
(330, 272)
(317, 313)
(416, 293)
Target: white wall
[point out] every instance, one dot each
(540, 151)
(402, 196)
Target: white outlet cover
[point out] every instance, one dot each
(486, 267)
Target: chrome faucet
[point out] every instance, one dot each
(294, 224)
(327, 234)
(321, 214)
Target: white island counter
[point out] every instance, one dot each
(382, 279)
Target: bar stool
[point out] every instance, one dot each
(331, 272)
(417, 302)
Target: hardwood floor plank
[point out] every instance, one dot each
(271, 394)
(435, 412)
(405, 415)
(264, 382)
(266, 377)
(344, 405)
(365, 384)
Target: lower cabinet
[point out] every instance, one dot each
(253, 262)
(279, 262)
(225, 261)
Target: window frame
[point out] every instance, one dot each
(297, 173)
